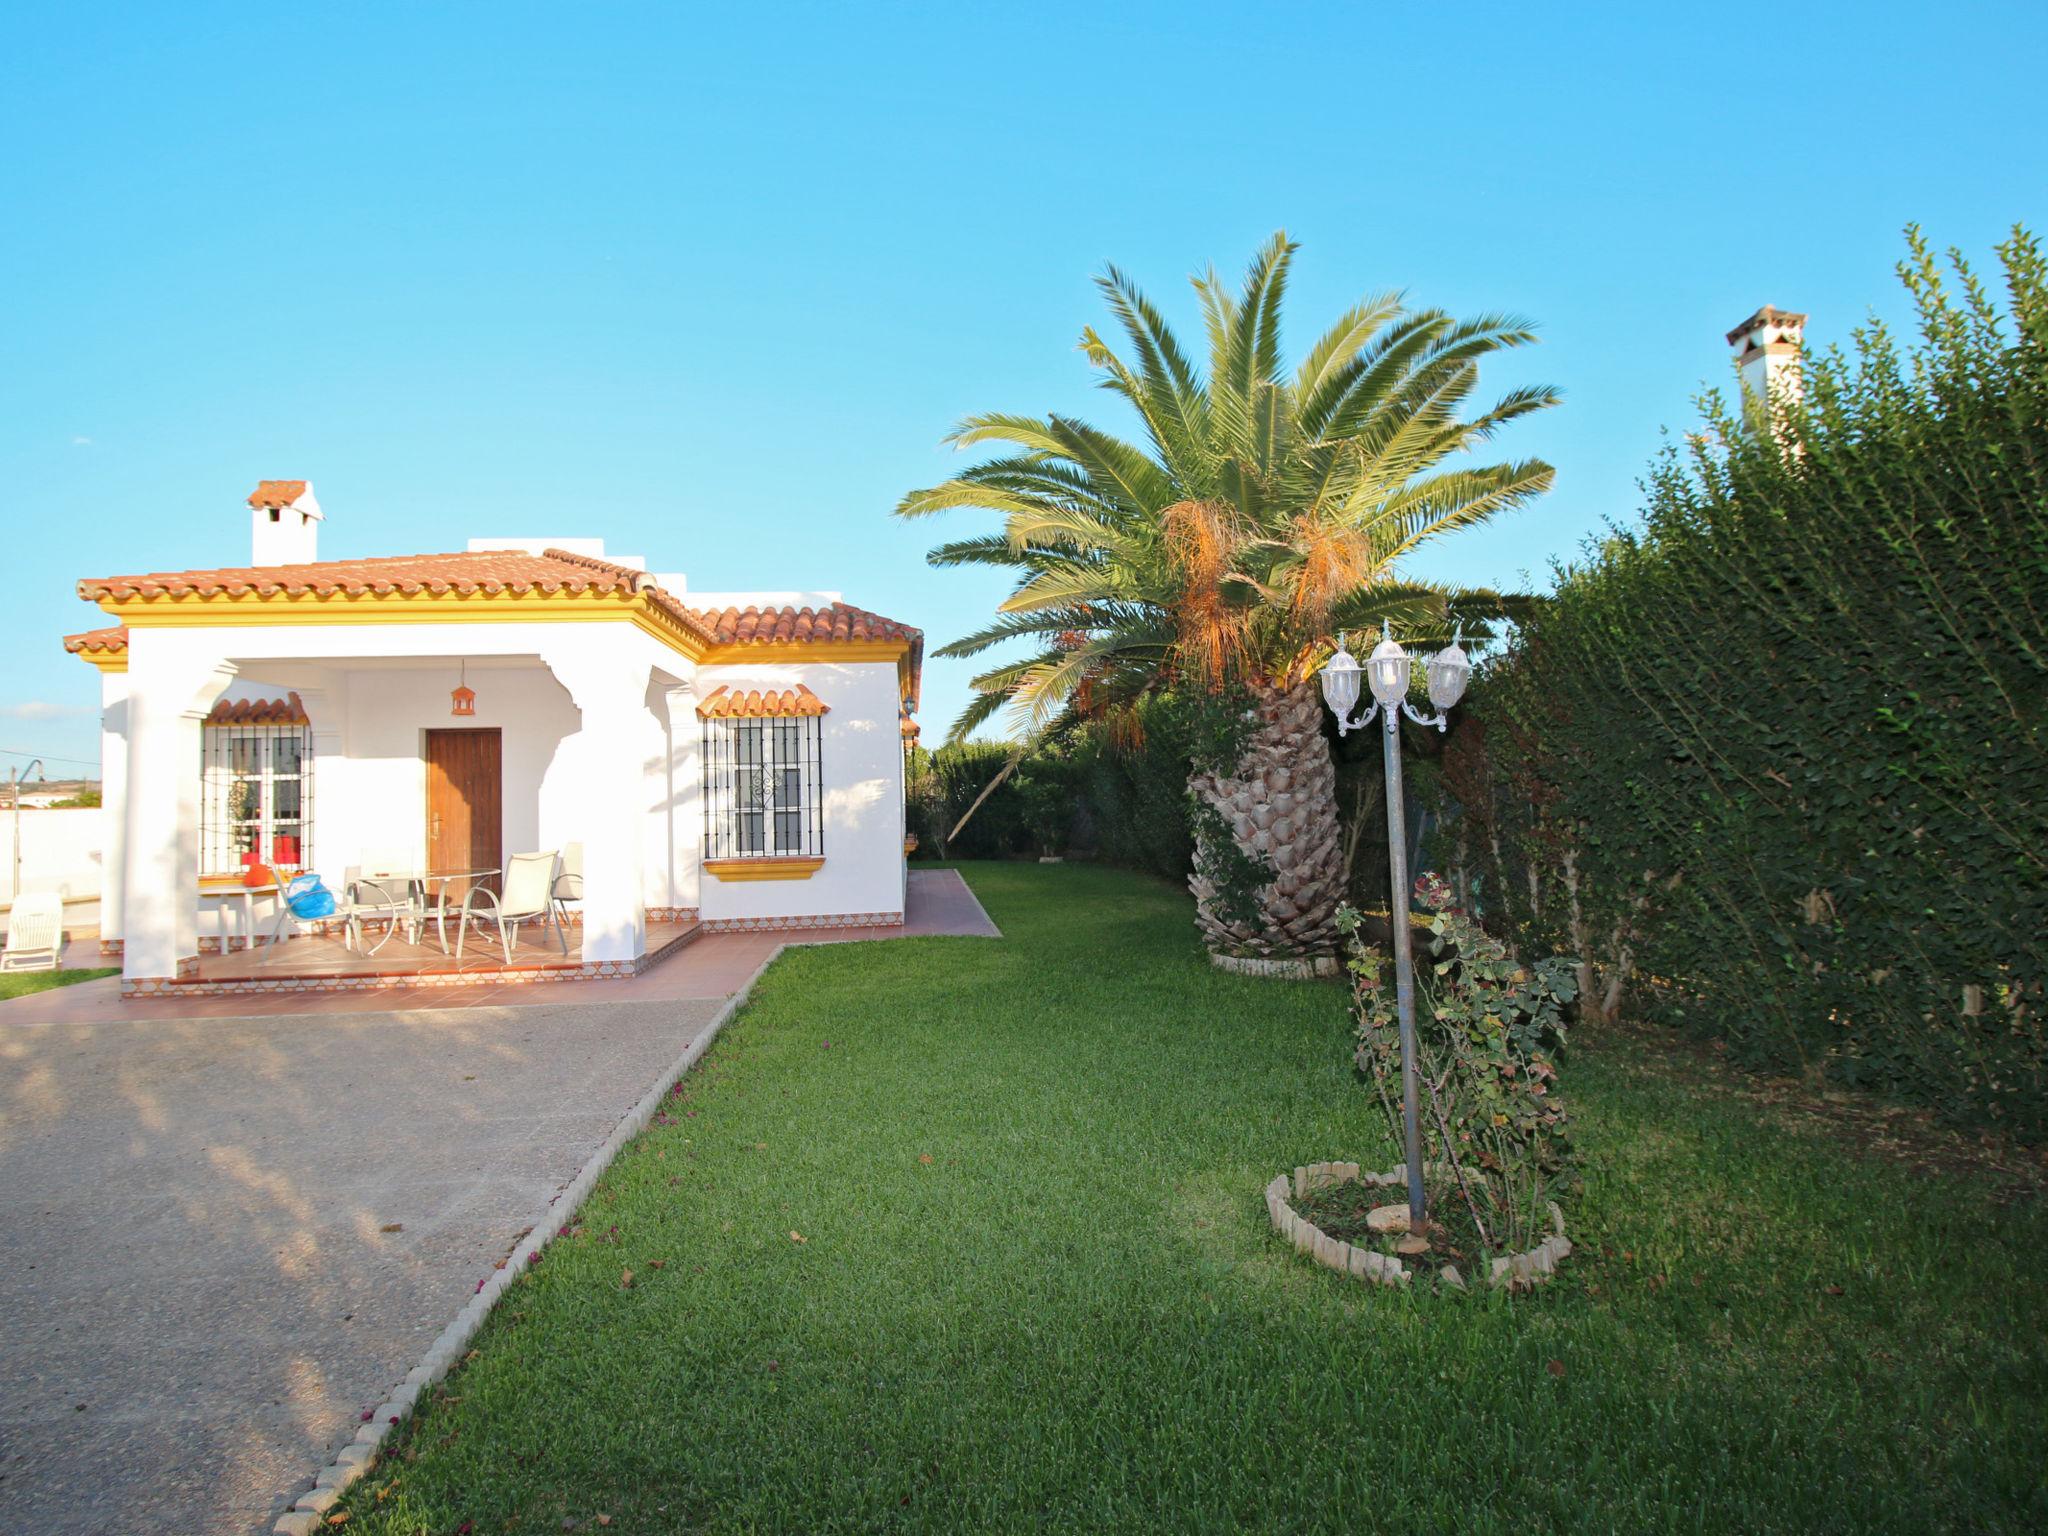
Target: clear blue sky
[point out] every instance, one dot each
(713, 283)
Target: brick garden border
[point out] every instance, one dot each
(1538, 1264)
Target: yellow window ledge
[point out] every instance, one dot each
(763, 869)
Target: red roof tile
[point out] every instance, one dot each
(97, 641)
(486, 571)
(492, 572)
(276, 493)
(286, 711)
(764, 626)
(727, 704)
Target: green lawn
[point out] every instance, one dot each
(21, 983)
(1036, 1288)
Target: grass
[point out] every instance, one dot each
(21, 983)
(1035, 1287)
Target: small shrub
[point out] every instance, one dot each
(1488, 1031)
(1046, 805)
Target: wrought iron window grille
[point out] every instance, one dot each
(762, 788)
(255, 797)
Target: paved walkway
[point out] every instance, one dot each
(227, 1232)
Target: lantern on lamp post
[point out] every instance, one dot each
(1387, 671)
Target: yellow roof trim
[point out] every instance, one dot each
(736, 652)
(227, 610)
(250, 609)
(230, 610)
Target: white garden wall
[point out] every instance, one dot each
(60, 851)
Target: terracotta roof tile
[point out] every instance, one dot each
(731, 704)
(486, 571)
(276, 493)
(471, 573)
(835, 622)
(492, 572)
(286, 711)
(97, 641)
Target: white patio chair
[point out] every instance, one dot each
(390, 883)
(528, 898)
(371, 901)
(568, 883)
(35, 932)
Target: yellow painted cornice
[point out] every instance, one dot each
(762, 869)
(229, 610)
(736, 653)
(105, 661)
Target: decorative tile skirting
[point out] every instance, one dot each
(785, 924)
(1530, 1268)
(111, 948)
(231, 944)
(659, 915)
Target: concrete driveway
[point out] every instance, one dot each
(222, 1240)
(225, 1233)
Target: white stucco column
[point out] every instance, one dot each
(325, 714)
(673, 706)
(610, 808)
(169, 692)
(113, 801)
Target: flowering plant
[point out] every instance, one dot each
(1488, 1030)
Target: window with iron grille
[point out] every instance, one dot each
(761, 796)
(255, 797)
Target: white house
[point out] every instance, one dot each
(732, 758)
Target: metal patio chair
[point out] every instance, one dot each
(528, 897)
(568, 883)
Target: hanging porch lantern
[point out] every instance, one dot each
(463, 695)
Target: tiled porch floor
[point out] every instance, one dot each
(712, 965)
(307, 958)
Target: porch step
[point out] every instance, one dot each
(241, 973)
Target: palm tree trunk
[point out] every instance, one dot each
(1275, 816)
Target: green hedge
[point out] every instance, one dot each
(1775, 762)
(1121, 796)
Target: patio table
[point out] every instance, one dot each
(432, 885)
(246, 895)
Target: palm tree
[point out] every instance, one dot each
(1262, 514)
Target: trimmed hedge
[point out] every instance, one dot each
(1775, 762)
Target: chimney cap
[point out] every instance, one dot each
(285, 493)
(1770, 314)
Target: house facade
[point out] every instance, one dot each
(732, 758)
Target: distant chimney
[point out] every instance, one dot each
(284, 523)
(1768, 346)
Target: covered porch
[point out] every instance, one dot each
(442, 752)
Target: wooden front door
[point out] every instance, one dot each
(465, 815)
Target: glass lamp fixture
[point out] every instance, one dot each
(1448, 672)
(1341, 675)
(463, 695)
(1389, 666)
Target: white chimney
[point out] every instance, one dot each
(1768, 347)
(284, 523)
